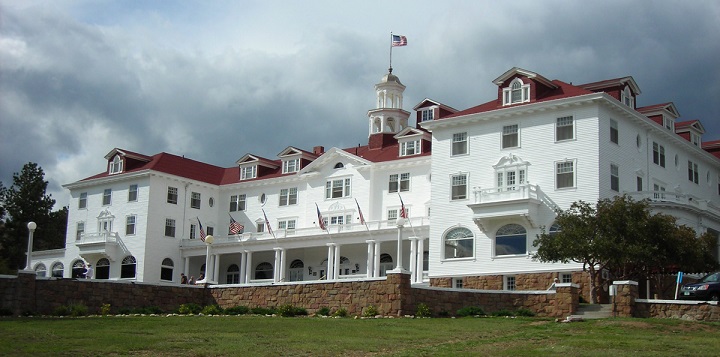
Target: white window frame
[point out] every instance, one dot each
(627, 98)
(561, 125)
(659, 191)
(565, 278)
(614, 177)
(343, 184)
(510, 178)
(172, 195)
(288, 196)
(427, 114)
(107, 197)
(460, 144)
(169, 227)
(410, 147)
(291, 165)
(508, 131)
(130, 225)
(516, 87)
(399, 182)
(658, 154)
(693, 172)
(248, 172)
(116, 165)
(195, 199)
(509, 282)
(669, 123)
(82, 200)
(79, 230)
(133, 193)
(193, 231)
(563, 168)
(695, 139)
(455, 234)
(614, 132)
(394, 213)
(287, 224)
(239, 201)
(455, 182)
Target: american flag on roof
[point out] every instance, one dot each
(202, 231)
(398, 40)
(403, 211)
(235, 227)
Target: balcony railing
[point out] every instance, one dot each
(94, 238)
(517, 192)
(676, 198)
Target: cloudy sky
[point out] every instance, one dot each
(214, 80)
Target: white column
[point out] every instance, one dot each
(336, 261)
(330, 263)
(413, 259)
(186, 268)
(248, 267)
(277, 265)
(216, 266)
(420, 259)
(400, 224)
(376, 266)
(243, 259)
(370, 258)
(283, 264)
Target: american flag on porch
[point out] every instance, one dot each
(362, 218)
(403, 211)
(202, 231)
(321, 222)
(235, 227)
(267, 223)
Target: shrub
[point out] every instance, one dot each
(290, 311)
(503, 312)
(443, 313)
(78, 310)
(341, 312)
(470, 311)
(262, 311)
(189, 309)
(370, 311)
(105, 309)
(423, 311)
(237, 310)
(212, 310)
(324, 311)
(524, 312)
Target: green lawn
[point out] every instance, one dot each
(309, 336)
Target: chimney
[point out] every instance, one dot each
(318, 150)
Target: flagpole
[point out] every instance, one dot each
(391, 46)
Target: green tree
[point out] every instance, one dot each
(26, 200)
(626, 238)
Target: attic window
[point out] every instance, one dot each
(339, 165)
(116, 165)
(517, 92)
(627, 98)
(695, 139)
(248, 172)
(426, 115)
(668, 123)
(291, 165)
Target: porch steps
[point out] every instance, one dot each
(593, 311)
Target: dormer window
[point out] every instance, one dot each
(248, 172)
(695, 139)
(292, 165)
(427, 114)
(627, 98)
(116, 165)
(411, 147)
(668, 123)
(517, 92)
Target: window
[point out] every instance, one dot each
(426, 115)
(264, 271)
(78, 269)
(695, 139)
(82, 201)
(659, 191)
(510, 136)
(288, 196)
(127, 268)
(509, 282)
(195, 200)
(166, 269)
(116, 165)
(339, 165)
(248, 172)
(627, 98)
(639, 183)
(658, 154)
(460, 144)
(566, 278)
(564, 174)
(287, 224)
(511, 239)
(296, 270)
(459, 243)
(79, 230)
(193, 231)
(237, 203)
(408, 148)
(564, 128)
(392, 214)
(510, 180)
(130, 225)
(172, 195)
(459, 187)
(399, 183)
(292, 165)
(41, 270)
(457, 283)
(693, 172)
(338, 220)
(133, 193)
(337, 188)
(614, 178)
(517, 92)
(210, 230)
(233, 274)
(668, 123)
(614, 131)
(102, 269)
(169, 227)
(107, 196)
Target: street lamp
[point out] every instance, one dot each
(400, 223)
(31, 227)
(208, 241)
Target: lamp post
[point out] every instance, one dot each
(400, 224)
(31, 227)
(208, 241)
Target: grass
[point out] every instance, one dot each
(305, 336)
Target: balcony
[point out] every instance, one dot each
(668, 199)
(521, 201)
(94, 246)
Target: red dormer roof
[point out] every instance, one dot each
(612, 83)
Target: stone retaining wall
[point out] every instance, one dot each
(699, 311)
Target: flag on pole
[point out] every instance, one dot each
(267, 223)
(403, 211)
(362, 219)
(235, 227)
(320, 218)
(398, 40)
(202, 231)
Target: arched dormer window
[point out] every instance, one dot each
(116, 165)
(339, 165)
(517, 92)
(627, 97)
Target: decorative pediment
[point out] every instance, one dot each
(510, 160)
(105, 215)
(519, 72)
(333, 157)
(250, 159)
(412, 134)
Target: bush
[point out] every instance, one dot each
(443, 313)
(524, 312)
(78, 310)
(503, 312)
(470, 311)
(290, 311)
(423, 311)
(371, 311)
(262, 311)
(189, 309)
(237, 310)
(212, 310)
(324, 311)
(341, 312)
(105, 309)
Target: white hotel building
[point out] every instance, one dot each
(478, 184)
